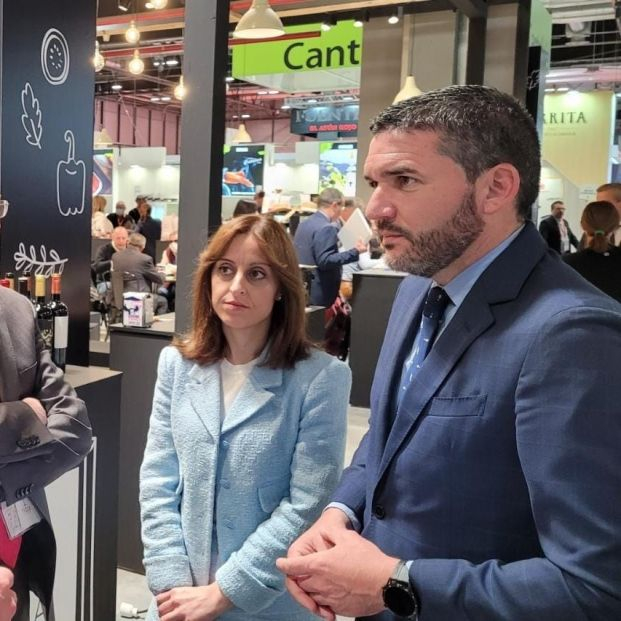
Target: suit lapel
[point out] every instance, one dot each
(500, 282)
(254, 395)
(463, 329)
(399, 339)
(9, 376)
(206, 396)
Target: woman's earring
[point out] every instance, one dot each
(278, 297)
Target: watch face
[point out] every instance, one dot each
(400, 600)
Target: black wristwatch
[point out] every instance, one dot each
(399, 596)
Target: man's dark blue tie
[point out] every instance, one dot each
(431, 320)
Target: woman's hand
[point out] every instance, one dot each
(203, 603)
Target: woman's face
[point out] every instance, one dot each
(244, 287)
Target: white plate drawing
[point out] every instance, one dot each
(70, 181)
(31, 116)
(55, 57)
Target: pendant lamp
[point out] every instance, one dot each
(242, 135)
(99, 61)
(180, 90)
(136, 64)
(409, 90)
(259, 22)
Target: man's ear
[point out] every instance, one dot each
(498, 187)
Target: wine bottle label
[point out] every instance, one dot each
(46, 327)
(61, 332)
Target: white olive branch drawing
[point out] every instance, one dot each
(28, 262)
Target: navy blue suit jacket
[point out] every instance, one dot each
(500, 476)
(316, 242)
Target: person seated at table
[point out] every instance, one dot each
(169, 264)
(101, 227)
(139, 272)
(102, 263)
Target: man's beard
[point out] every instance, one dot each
(431, 251)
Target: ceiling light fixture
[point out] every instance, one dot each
(260, 21)
(166, 98)
(180, 90)
(245, 116)
(155, 98)
(229, 78)
(132, 34)
(136, 64)
(396, 16)
(285, 107)
(410, 89)
(123, 5)
(172, 62)
(273, 92)
(99, 62)
(117, 87)
(159, 4)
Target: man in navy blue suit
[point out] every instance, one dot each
(316, 242)
(488, 484)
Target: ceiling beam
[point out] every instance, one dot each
(471, 8)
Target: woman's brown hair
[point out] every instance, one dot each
(599, 220)
(287, 340)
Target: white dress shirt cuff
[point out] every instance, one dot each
(355, 522)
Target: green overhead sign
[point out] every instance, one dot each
(338, 48)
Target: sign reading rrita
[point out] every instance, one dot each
(342, 120)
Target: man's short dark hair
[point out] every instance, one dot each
(478, 127)
(555, 203)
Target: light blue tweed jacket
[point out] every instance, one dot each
(249, 485)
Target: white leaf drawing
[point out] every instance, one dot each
(31, 117)
(27, 261)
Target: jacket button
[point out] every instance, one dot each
(225, 483)
(379, 512)
(225, 443)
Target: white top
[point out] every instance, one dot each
(233, 378)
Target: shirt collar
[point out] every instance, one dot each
(460, 286)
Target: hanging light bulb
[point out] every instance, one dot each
(136, 64)
(159, 4)
(242, 134)
(132, 34)
(259, 22)
(99, 62)
(409, 90)
(180, 90)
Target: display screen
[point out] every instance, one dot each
(243, 169)
(102, 172)
(337, 166)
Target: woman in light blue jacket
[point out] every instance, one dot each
(246, 439)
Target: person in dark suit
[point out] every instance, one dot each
(555, 230)
(118, 218)
(44, 432)
(484, 487)
(150, 228)
(134, 213)
(600, 261)
(101, 266)
(316, 242)
(140, 271)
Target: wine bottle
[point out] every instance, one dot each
(45, 319)
(60, 312)
(23, 286)
(11, 278)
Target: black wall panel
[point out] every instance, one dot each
(47, 92)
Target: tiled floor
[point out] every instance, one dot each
(132, 588)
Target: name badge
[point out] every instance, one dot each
(19, 517)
